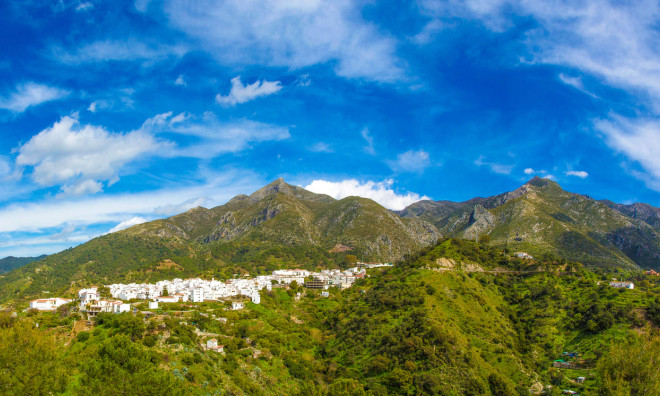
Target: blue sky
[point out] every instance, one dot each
(114, 113)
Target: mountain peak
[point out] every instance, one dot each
(282, 187)
(537, 181)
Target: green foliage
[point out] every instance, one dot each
(631, 367)
(30, 363)
(124, 368)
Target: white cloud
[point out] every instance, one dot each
(244, 93)
(495, 167)
(86, 6)
(639, 140)
(293, 34)
(369, 148)
(575, 82)
(580, 174)
(113, 208)
(411, 161)
(180, 81)
(135, 220)
(321, 147)
(380, 192)
(92, 107)
(529, 171)
(30, 94)
(68, 152)
(82, 187)
(214, 137)
(127, 50)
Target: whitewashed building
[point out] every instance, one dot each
(48, 304)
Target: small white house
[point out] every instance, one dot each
(48, 304)
(197, 295)
(153, 304)
(88, 296)
(167, 299)
(622, 285)
(523, 255)
(256, 298)
(117, 306)
(325, 294)
(212, 345)
(235, 305)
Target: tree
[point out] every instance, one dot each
(484, 239)
(30, 363)
(351, 259)
(630, 367)
(125, 368)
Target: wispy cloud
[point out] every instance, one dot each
(381, 192)
(495, 167)
(31, 94)
(369, 148)
(321, 147)
(575, 82)
(411, 161)
(212, 136)
(244, 93)
(119, 50)
(86, 6)
(637, 139)
(290, 34)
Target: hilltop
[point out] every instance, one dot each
(541, 217)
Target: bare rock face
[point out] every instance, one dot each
(481, 221)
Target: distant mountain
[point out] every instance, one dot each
(9, 263)
(281, 225)
(541, 217)
(277, 226)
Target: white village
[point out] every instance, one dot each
(198, 290)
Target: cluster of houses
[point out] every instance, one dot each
(199, 290)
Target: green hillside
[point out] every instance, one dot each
(9, 263)
(405, 330)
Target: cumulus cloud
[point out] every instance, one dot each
(637, 139)
(244, 93)
(80, 155)
(529, 171)
(381, 192)
(411, 161)
(128, 223)
(539, 172)
(580, 174)
(292, 34)
(30, 94)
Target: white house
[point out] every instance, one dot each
(48, 304)
(622, 285)
(88, 296)
(197, 295)
(153, 304)
(167, 299)
(235, 305)
(256, 298)
(212, 345)
(325, 294)
(523, 255)
(108, 306)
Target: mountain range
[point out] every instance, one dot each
(282, 225)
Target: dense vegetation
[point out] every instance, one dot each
(405, 330)
(9, 263)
